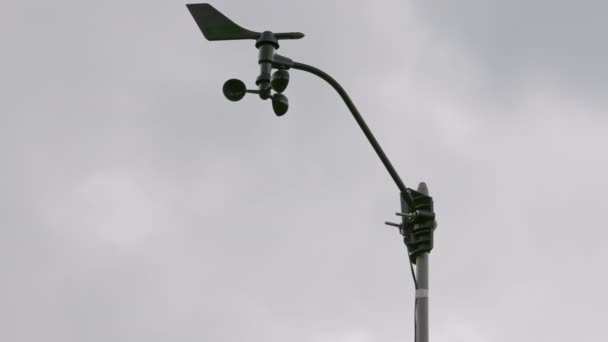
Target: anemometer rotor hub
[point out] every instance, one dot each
(267, 37)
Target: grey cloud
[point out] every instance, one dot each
(517, 39)
(139, 205)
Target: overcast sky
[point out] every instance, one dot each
(138, 204)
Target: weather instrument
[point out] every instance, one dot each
(216, 26)
(417, 214)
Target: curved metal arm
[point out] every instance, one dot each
(349, 103)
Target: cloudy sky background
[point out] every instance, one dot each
(138, 204)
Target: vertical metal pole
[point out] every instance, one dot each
(422, 293)
(422, 298)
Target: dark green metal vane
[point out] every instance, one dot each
(215, 25)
